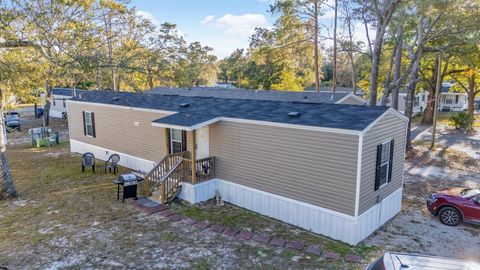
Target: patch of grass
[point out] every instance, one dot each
(288, 254)
(224, 215)
(338, 247)
(363, 250)
(170, 237)
(201, 264)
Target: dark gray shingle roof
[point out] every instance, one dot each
(201, 109)
(65, 91)
(321, 97)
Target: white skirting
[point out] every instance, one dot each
(323, 221)
(128, 161)
(55, 114)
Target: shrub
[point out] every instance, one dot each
(462, 120)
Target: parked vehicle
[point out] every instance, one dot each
(12, 120)
(455, 205)
(397, 261)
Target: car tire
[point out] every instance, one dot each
(450, 216)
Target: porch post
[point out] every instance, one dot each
(167, 141)
(194, 160)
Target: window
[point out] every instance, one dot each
(177, 141)
(476, 200)
(456, 99)
(54, 103)
(64, 103)
(423, 97)
(383, 173)
(89, 124)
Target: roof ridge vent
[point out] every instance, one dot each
(184, 105)
(294, 114)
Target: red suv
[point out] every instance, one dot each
(455, 205)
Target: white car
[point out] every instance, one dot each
(402, 261)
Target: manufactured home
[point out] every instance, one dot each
(58, 101)
(336, 170)
(448, 101)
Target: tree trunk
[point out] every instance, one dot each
(427, 118)
(412, 82)
(387, 90)
(374, 71)
(97, 79)
(150, 80)
(398, 65)
(46, 107)
(7, 188)
(315, 54)
(35, 107)
(108, 32)
(334, 80)
(471, 94)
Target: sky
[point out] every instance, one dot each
(224, 25)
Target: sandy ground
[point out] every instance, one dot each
(415, 229)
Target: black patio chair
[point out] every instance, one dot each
(112, 163)
(88, 159)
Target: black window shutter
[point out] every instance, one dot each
(184, 140)
(390, 162)
(377, 168)
(169, 142)
(92, 115)
(84, 126)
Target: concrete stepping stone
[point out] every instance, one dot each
(353, 258)
(277, 242)
(166, 213)
(137, 201)
(216, 228)
(295, 245)
(175, 218)
(245, 235)
(149, 204)
(158, 208)
(262, 238)
(202, 225)
(189, 221)
(230, 232)
(315, 250)
(332, 255)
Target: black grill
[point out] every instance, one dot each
(129, 182)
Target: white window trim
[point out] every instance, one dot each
(172, 140)
(91, 124)
(387, 163)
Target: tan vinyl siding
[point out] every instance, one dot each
(388, 128)
(310, 166)
(116, 130)
(352, 101)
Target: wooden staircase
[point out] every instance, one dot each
(163, 182)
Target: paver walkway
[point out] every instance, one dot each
(151, 207)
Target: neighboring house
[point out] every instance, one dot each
(448, 102)
(418, 105)
(334, 169)
(272, 95)
(58, 101)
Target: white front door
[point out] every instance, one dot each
(201, 137)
